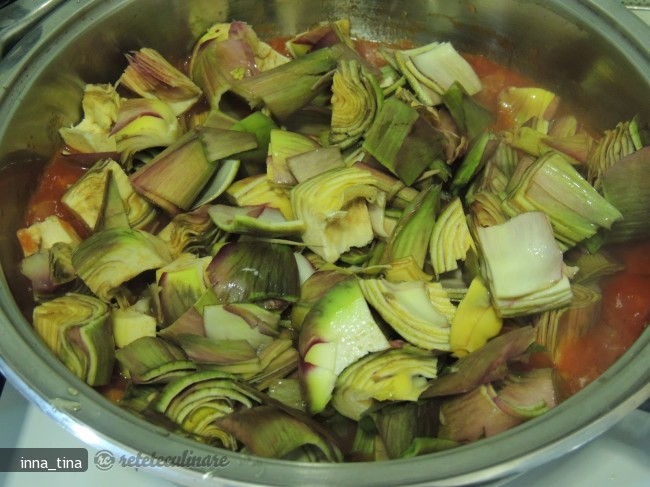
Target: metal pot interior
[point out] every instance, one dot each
(591, 53)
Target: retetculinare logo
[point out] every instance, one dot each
(104, 460)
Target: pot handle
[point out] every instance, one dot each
(17, 18)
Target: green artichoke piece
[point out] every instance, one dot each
(93, 195)
(396, 374)
(273, 433)
(247, 271)
(403, 141)
(108, 259)
(333, 207)
(356, 99)
(409, 310)
(150, 75)
(625, 186)
(100, 104)
(154, 360)
(77, 329)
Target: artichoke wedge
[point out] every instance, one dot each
(100, 105)
(150, 75)
(396, 374)
(77, 329)
(272, 432)
(87, 198)
(356, 99)
(333, 207)
(197, 400)
(450, 239)
(575, 209)
(338, 330)
(409, 310)
(522, 264)
(254, 272)
(143, 123)
(109, 258)
(191, 232)
(154, 360)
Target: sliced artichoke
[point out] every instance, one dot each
(149, 74)
(87, 197)
(92, 135)
(356, 99)
(408, 309)
(397, 374)
(109, 258)
(77, 329)
(333, 207)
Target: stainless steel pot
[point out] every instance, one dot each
(594, 53)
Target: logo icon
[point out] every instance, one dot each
(104, 460)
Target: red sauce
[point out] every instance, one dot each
(626, 314)
(58, 176)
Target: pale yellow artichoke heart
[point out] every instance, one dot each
(100, 106)
(333, 206)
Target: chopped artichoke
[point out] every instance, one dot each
(190, 232)
(555, 328)
(338, 330)
(77, 329)
(143, 123)
(523, 104)
(333, 207)
(109, 258)
(154, 360)
(356, 99)
(92, 135)
(523, 265)
(396, 374)
(314, 162)
(475, 321)
(613, 146)
(282, 145)
(174, 179)
(323, 35)
(289, 87)
(150, 75)
(87, 197)
(625, 186)
(487, 364)
(247, 271)
(272, 432)
(433, 68)
(575, 209)
(403, 141)
(408, 309)
(474, 415)
(254, 220)
(180, 285)
(256, 190)
(241, 321)
(197, 400)
(412, 232)
(228, 52)
(129, 324)
(451, 238)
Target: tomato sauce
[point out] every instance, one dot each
(626, 314)
(60, 173)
